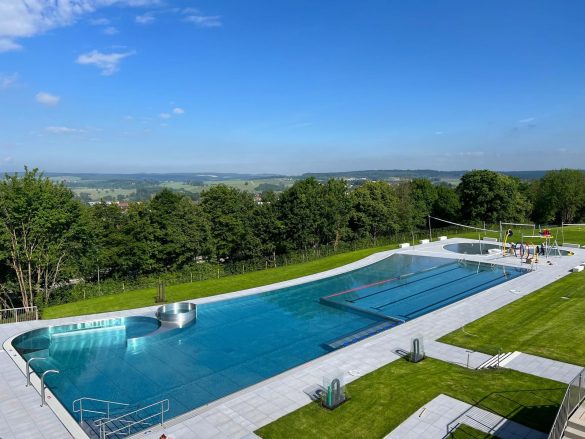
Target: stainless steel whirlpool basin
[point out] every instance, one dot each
(177, 314)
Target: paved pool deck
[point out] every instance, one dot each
(240, 414)
(443, 414)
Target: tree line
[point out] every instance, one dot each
(50, 240)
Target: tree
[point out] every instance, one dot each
(560, 197)
(40, 222)
(446, 205)
(423, 196)
(108, 240)
(181, 229)
(301, 210)
(491, 197)
(337, 210)
(231, 214)
(267, 226)
(375, 210)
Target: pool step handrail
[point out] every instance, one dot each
(111, 427)
(43, 386)
(106, 412)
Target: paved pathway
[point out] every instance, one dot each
(544, 367)
(531, 364)
(456, 355)
(240, 414)
(440, 415)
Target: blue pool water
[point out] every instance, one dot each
(238, 342)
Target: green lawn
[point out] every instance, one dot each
(466, 432)
(175, 293)
(548, 322)
(381, 400)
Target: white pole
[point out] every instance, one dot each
(430, 230)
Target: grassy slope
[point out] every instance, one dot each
(542, 323)
(381, 400)
(140, 298)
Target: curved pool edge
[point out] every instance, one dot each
(67, 420)
(62, 414)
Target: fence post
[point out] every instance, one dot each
(580, 378)
(16, 315)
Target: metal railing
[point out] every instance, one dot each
(573, 398)
(43, 386)
(104, 410)
(15, 315)
(109, 427)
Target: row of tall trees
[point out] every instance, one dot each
(48, 237)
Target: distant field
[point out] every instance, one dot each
(179, 185)
(98, 194)
(252, 185)
(97, 190)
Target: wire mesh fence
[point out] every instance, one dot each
(205, 269)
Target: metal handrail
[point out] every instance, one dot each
(568, 407)
(104, 424)
(28, 372)
(81, 410)
(43, 384)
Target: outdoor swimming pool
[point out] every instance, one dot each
(239, 342)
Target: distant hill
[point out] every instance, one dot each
(91, 187)
(407, 174)
(180, 176)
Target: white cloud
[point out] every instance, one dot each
(47, 99)
(164, 115)
(110, 30)
(204, 20)
(8, 45)
(145, 19)
(27, 18)
(178, 110)
(7, 81)
(471, 154)
(527, 120)
(106, 62)
(63, 130)
(99, 21)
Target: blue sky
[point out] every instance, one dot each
(291, 86)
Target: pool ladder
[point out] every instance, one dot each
(43, 375)
(111, 423)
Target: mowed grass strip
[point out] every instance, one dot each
(466, 432)
(383, 399)
(175, 293)
(548, 323)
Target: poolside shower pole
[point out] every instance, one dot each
(430, 230)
